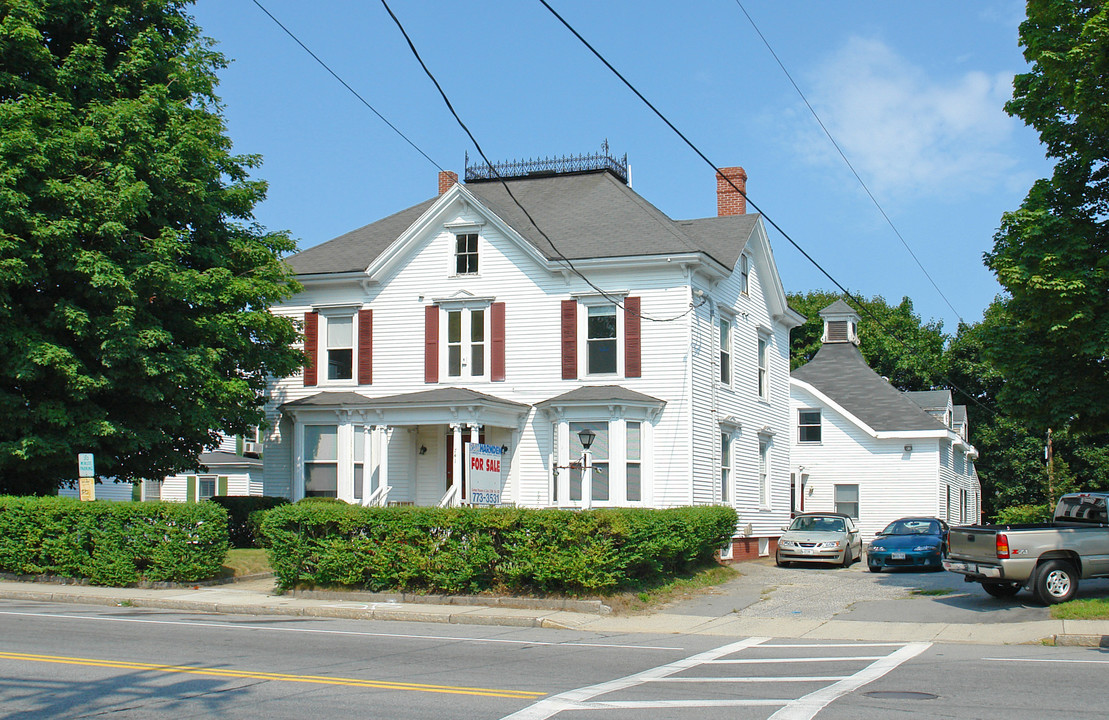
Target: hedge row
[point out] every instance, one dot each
(112, 543)
(471, 550)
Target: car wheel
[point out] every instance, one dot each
(1001, 589)
(847, 558)
(1056, 581)
(779, 561)
(874, 568)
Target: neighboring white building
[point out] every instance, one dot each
(862, 447)
(466, 319)
(234, 467)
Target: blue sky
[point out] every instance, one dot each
(912, 92)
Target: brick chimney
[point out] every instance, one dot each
(447, 180)
(728, 201)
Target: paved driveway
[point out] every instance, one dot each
(819, 592)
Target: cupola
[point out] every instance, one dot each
(841, 323)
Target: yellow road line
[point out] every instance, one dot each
(283, 677)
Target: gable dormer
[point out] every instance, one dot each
(841, 324)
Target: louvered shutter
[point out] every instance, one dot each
(365, 347)
(431, 344)
(221, 486)
(633, 351)
(497, 347)
(569, 339)
(190, 488)
(311, 345)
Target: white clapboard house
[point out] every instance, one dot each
(525, 314)
(863, 447)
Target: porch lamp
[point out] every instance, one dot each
(587, 437)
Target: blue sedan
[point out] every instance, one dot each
(909, 542)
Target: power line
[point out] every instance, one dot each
(849, 165)
(344, 83)
(719, 174)
(561, 256)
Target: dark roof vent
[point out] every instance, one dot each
(546, 167)
(837, 331)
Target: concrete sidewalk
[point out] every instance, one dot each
(258, 597)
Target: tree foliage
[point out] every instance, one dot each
(1052, 254)
(134, 284)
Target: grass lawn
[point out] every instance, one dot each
(1087, 609)
(693, 583)
(245, 561)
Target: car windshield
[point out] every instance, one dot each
(818, 524)
(912, 527)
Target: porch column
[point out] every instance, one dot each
(365, 436)
(384, 431)
(456, 460)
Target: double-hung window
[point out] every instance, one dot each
(601, 339)
(725, 351)
(725, 467)
(205, 487)
(634, 468)
(321, 461)
(764, 472)
(466, 343)
(744, 273)
(340, 347)
(763, 358)
(465, 254)
(847, 500)
(599, 458)
(808, 426)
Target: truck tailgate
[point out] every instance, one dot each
(976, 544)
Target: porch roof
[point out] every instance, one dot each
(593, 394)
(439, 405)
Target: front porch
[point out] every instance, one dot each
(396, 450)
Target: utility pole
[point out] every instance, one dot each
(1050, 474)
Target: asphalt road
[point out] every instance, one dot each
(822, 592)
(72, 661)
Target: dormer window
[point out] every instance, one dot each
(465, 254)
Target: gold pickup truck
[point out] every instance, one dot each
(1047, 558)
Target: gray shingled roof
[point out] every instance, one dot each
(839, 307)
(839, 371)
(354, 251)
(930, 399)
(601, 394)
(588, 215)
(222, 458)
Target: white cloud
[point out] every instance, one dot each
(906, 132)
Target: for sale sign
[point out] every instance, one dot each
(484, 473)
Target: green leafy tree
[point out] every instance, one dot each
(1052, 254)
(896, 343)
(134, 284)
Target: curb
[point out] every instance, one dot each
(1098, 641)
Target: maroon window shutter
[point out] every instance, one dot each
(569, 339)
(311, 346)
(431, 343)
(496, 364)
(365, 347)
(633, 350)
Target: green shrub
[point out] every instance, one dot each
(1020, 514)
(244, 516)
(110, 543)
(470, 550)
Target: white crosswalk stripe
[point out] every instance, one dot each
(734, 658)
